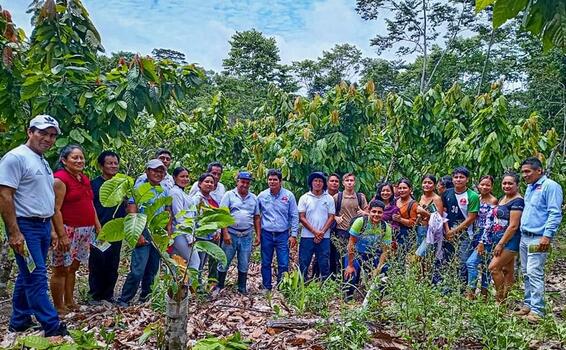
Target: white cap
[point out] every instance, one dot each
(44, 121)
(154, 164)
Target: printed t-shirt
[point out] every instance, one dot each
(459, 205)
(370, 239)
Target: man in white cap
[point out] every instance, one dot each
(27, 203)
(145, 257)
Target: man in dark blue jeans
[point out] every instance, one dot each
(279, 217)
(145, 257)
(27, 203)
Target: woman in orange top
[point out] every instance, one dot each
(407, 216)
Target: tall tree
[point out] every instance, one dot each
(252, 56)
(415, 25)
(341, 63)
(168, 54)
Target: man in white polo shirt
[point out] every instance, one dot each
(27, 203)
(316, 215)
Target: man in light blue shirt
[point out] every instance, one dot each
(279, 225)
(244, 208)
(541, 217)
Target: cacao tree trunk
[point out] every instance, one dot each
(176, 322)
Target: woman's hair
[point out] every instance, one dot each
(65, 152)
(406, 182)
(430, 177)
(446, 181)
(489, 177)
(179, 170)
(512, 174)
(380, 187)
(376, 203)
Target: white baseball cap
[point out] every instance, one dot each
(154, 164)
(44, 121)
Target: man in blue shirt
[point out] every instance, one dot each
(27, 203)
(244, 208)
(145, 260)
(541, 217)
(279, 225)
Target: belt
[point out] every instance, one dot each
(530, 234)
(240, 230)
(34, 219)
(275, 232)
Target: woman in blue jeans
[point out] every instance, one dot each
(506, 235)
(481, 238)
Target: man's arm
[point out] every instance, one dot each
(8, 211)
(306, 224)
(293, 216)
(257, 227)
(554, 203)
(463, 225)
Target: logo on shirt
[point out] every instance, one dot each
(285, 199)
(538, 187)
(463, 201)
(38, 172)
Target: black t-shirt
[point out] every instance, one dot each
(105, 214)
(503, 214)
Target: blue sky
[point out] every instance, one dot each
(201, 29)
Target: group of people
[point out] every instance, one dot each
(450, 221)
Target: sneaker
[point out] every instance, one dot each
(29, 325)
(525, 310)
(532, 317)
(61, 331)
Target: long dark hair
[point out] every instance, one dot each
(380, 187)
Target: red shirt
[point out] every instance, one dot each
(77, 208)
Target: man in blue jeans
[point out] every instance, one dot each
(244, 208)
(145, 257)
(541, 217)
(316, 214)
(27, 203)
(279, 225)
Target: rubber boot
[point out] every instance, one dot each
(221, 279)
(242, 281)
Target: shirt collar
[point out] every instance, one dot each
(539, 181)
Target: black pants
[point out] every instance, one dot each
(103, 271)
(336, 251)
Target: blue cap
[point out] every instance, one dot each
(245, 175)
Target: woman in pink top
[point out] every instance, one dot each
(76, 217)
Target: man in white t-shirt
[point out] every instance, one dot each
(27, 203)
(316, 215)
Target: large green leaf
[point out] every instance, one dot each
(205, 230)
(160, 220)
(112, 231)
(504, 10)
(144, 193)
(211, 249)
(221, 219)
(134, 224)
(113, 191)
(156, 205)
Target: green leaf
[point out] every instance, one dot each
(55, 70)
(160, 220)
(112, 231)
(122, 104)
(113, 191)
(211, 249)
(134, 224)
(36, 342)
(76, 135)
(504, 10)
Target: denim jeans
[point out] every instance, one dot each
(532, 266)
(321, 251)
(421, 234)
(465, 249)
(367, 262)
(241, 246)
(30, 290)
(474, 261)
(273, 242)
(143, 268)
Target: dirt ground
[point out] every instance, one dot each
(231, 312)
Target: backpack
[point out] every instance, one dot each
(339, 201)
